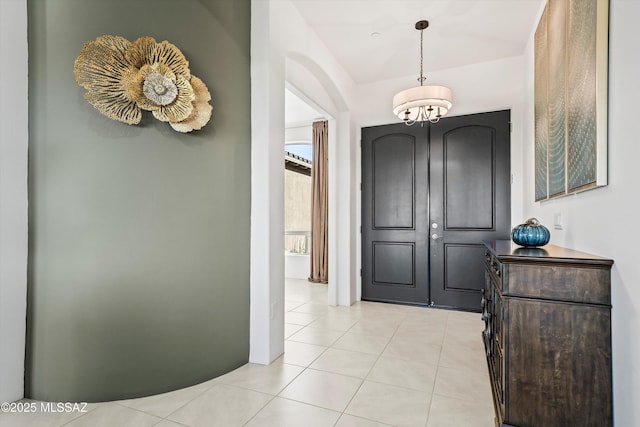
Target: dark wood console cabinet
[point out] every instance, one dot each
(547, 314)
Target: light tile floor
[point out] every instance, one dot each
(367, 365)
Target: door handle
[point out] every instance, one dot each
(434, 236)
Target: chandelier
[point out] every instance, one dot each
(422, 103)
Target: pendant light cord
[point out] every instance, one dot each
(421, 79)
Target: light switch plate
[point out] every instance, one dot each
(557, 221)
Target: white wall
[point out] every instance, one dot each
(297, 266)
(604, 221)
(284, 48)
(300, 134)
(13, 196)
(266, 334)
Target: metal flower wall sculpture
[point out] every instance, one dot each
(122, 78)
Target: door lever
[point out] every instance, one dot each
(434, 236)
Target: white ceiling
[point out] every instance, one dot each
(461, 32)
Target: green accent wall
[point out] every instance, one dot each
(139, 235)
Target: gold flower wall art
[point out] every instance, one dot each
(122, 78)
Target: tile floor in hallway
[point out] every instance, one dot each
(367, 365)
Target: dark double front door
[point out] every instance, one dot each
(430, 195)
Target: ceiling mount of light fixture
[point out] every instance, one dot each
(422, 25)
(422, 103)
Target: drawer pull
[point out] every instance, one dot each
(495, 268)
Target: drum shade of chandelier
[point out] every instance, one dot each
(422, 103)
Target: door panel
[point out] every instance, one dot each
(470, 202)
(393, 263)
(395, 184)
(393, 181)
(468, 177)
(468, 255)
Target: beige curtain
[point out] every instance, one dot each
(319, 205)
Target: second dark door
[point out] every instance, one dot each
(470, 197)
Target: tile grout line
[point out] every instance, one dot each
(369, 372)
(435, 379)
(362, 379)
(260, 410)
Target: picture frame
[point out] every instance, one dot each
(571, 97)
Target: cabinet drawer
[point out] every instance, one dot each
(562, 283)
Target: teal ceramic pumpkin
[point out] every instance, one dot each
(530, 234)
